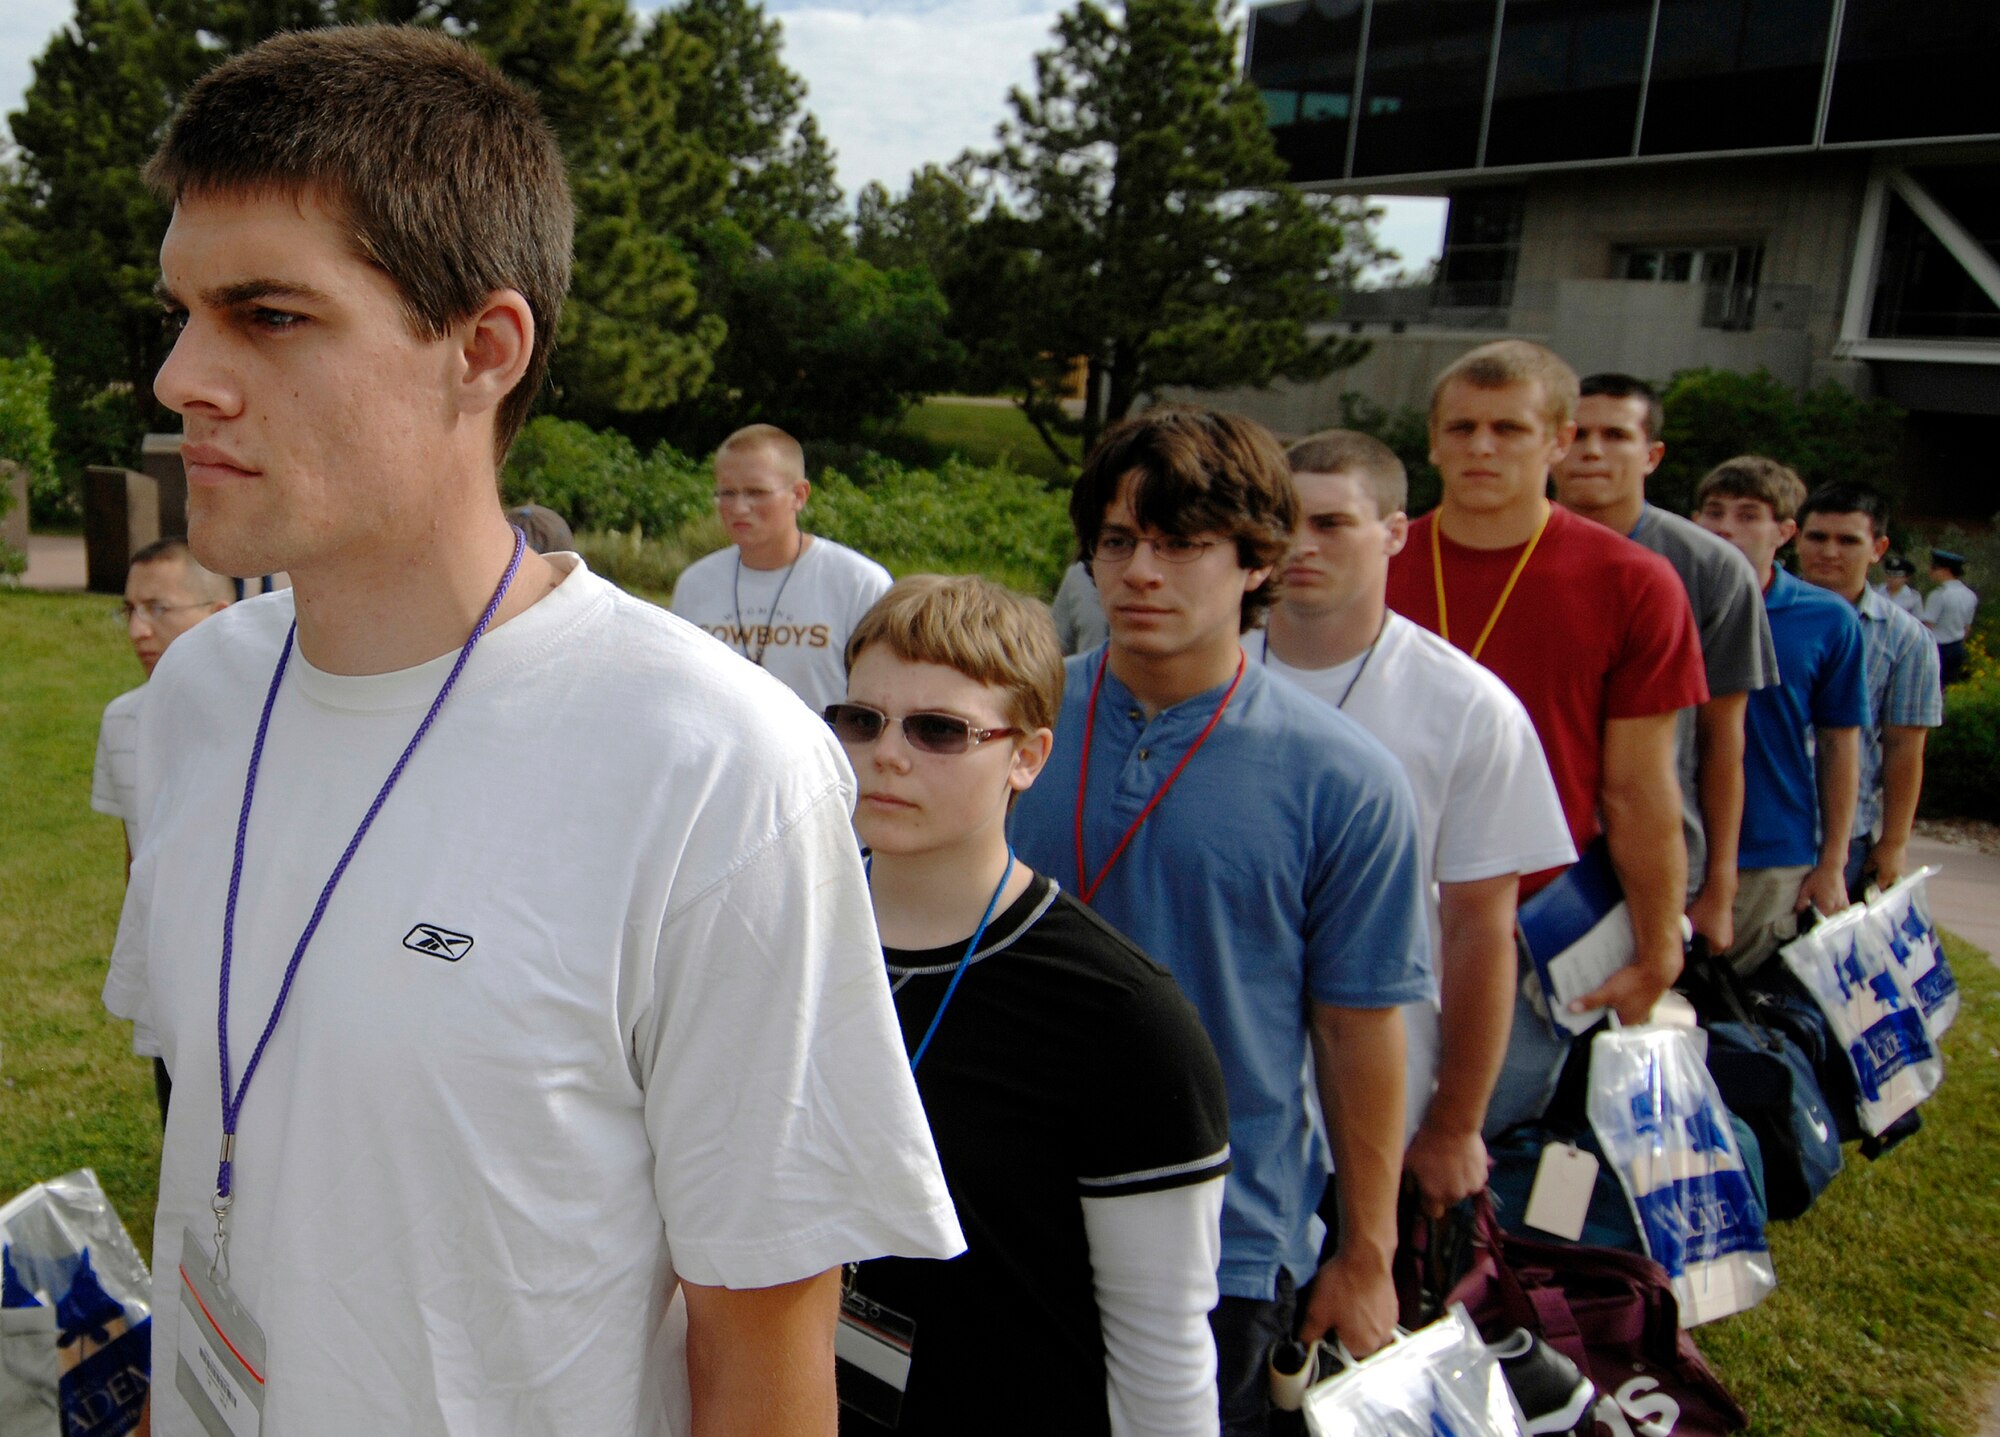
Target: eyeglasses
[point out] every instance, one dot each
(859, 725)
(1117, 546)
(152, 609)
(745, 496)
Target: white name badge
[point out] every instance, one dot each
(219, 1364)
(1560, 1199)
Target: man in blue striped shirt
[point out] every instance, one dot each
(1843, 528)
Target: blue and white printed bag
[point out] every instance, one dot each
(1874, 1014)
(1901, 919)
(1666, 1134)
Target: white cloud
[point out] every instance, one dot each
(25, 29)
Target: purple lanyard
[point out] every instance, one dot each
(232, 1100)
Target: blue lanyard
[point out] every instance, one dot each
(232, 1100)
(971, 948)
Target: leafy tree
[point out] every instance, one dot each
(1142, 221)
(82, 233)
(1825, 434)
(747, 106)
(924, 227)
(820, 341)
(27, 434)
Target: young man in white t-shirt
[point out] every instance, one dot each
(1487, 810)
(557, 1076)
(784, 599)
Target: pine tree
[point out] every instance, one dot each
(1145, 225)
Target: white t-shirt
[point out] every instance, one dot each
(1486, 802)
(794, 622)
(598, 1003)
(115, 775)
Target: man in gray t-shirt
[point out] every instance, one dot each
(1603, 477)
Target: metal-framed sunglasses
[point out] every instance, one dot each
(859, 725)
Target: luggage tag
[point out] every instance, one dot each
(1559, 1201)
(871, 1350)
(219, 1369)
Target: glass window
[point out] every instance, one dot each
(1482, 243)
(1735, 75)
(1912, 71)
(1425, 84)
(1567, 84)
(1302, 58)
(1921, 291)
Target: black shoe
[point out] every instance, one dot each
(1552, 1395)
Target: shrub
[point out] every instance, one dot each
(1962, 759)
(27, 434)
(598, 479)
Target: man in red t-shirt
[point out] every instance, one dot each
(1592, 632)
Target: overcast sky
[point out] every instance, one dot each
(895, 83)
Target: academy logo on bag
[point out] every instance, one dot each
(438, 942)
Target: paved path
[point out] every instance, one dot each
(1965, 894)
(56, 561)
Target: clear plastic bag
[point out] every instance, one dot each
(1901, 920)
(1664, 1130)
(1873, 1012)
(1440, 1378)
(75, 1314)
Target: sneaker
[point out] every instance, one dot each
(1552, 1395)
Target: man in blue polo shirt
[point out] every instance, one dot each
(1802, 738)
(1262, 847)
(1843, 528)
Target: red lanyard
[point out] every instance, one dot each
(1087, 887)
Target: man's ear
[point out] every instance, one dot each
(495, 347)
(1398, 525)
(1878, 548)
(1787, 528)
(1029, 755)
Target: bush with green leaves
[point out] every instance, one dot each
(954, 519)
(1825, 434)
(597, 479)
(1962, 759)
(27, 434)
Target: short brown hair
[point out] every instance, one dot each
(1514, 361)
(173, 549)
(1347, 451)
(1198, 471)
(981, 629)
(1752, 476)
(790, 452)
(447, 176)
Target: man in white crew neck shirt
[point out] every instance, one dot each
(578, 1081)
(784, 599)
(1487, 810)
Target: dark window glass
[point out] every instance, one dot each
(1482, 242)
(1921, 291)
(1912, 71)
(1567, 87)
(1736, 75)
(1302, 58)
(1425, 84)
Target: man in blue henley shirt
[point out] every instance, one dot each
(1262, 847)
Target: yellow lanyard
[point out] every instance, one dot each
(1437, 573)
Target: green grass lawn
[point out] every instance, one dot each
(984, 434)
(71, 1092)
(1884, 1321)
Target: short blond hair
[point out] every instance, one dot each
(1506, 362)
(982, 629)
(1752, 476)
(1360, 456)
(791, 454)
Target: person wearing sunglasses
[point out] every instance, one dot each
(1263, 848)
(1077, 1105)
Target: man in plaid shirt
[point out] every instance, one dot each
(1844, 528)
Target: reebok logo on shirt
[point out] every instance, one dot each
(438, 942)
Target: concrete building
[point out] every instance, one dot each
(1807, 186)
